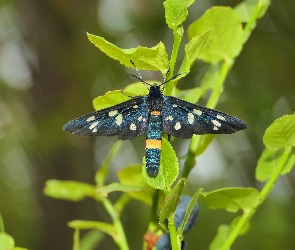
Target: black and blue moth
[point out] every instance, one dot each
(150, 115)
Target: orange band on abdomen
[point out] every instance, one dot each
(149, 143)
(155, 112)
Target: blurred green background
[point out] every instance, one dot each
(50, 73)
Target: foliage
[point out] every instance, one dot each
(216, 38)
(6, 240)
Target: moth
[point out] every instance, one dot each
(151, 115)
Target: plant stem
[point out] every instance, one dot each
(260, 8)
(190, 160)
(76, 239)
(154, 208)
(218, 89)
(212, 102)
(120, 238)
(273, 178)
(2, 228)
(177, 35)
(121, 203)
(173, 233)
(263, 195)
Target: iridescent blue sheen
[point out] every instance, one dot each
(154, 130)
(152, 155)
(152, 158)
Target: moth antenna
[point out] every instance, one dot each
(172, 78)
(126, 94)
(139, 77)
(167, 73)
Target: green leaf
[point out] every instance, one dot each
(189, 95)
(101, 226)
(220, 238)
(207, 83)
(246, 9)
(210, 78)
(193, 50)
(169, 168)
(290, 163)
(281, 133)
(91, 240)
(132, 175)
(226, 34)
(138, 88)
(189, 210)
(154, 58)
(115, 187)
(110, 98)
(176, 12)
(69, 190)
(115, 97)
(266, 164)
(224, 231)
(232, 199)
(262, 6)
(244, 228)
(171, 201)
(103, 171)
(6, 241)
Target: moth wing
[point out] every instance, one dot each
(126, 120)
(183, 119)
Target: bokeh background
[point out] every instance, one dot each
(49, 74)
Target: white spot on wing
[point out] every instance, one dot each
(169, 118)
(220, 117)
(93, 125)
(190, 118)
(177, 126)
(197, 112)
(215, 128)
(119, 119)
(174, 105)
(113, 113)
(140, 118)
(94, 130)
(91, 118)
(135, 106)
(216, 123)
(133, 126)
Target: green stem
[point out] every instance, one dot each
(263, 195)
(212, 102)
(154, 208)
(2, 228)
(218, 89)
(273, 178)
(121, 203)
(251, 24)
(76, 239)
(120, 238)
(261, 7)
(153, 223)
(190, 161)
(177, 35)
(173, 233)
